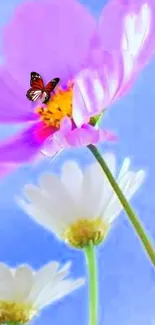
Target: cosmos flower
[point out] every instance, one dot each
(24, 292)
(80, 207)
(91, 75)
(60, 54)
(114, 71)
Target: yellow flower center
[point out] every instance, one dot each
(86, 231)
(58, 107)
(13, 312)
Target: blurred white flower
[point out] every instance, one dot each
(23, 292)
(80, 207)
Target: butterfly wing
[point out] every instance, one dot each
(33, 94)
(37, 87)
(48, 89)
(36, 81)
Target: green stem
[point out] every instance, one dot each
(128, 209)
(93, 283)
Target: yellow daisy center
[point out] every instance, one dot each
(58, 107)
(86, 231)
(13, 312)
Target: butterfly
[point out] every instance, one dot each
(38, 90)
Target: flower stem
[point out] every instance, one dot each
(93, 283)
(128, 209)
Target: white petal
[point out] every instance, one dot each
(44, 219)
(47, 285)
(52, 201)
(124, 168)
(42, 278)
(67, 286)
(92, 191)
(72, 177)
(114, 206)
(23, 281)
(107, 191)
(61, 289)
(65, 268)
(110, 161)
(96, 188)
(6, 283)
(59, 198)
(38, 198)
(136, 183)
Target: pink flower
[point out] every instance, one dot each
(45, 38)
(114, 71)
(54, 44)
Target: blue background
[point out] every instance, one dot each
(127, 279)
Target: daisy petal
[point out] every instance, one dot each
(23, 281)
(43, 217)
(60, 290)
(52, 187)
(72, 177)
(124, 168)
(42, 278)
(6, 283)
(92, 191)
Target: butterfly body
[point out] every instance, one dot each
(38, 90)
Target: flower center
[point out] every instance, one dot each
(85, 231)
(59, 106)
(13, 312)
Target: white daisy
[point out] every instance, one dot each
(80, 207)
(23, 292)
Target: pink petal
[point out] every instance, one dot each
(14, 106)
(42, 37)
(22, 148)
(88, 134)
(113, 15)
(88, 96)
(6, 169)
(95, 90)
(66, 125)
(126, 74)
(83, 136)
(78, 137)
(110, 26)
(139, 30)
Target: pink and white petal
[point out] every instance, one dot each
(54, 145)
(138, 36)
(149, 45)
(110, 26)
(78, 137)
(112, 75)
(66, 125)
(113, 15)
(127, 74)
(107, 135)
(42, 38)
(22, 148)
(86, 135)
(7, 169)
(82, 136)
(89, 96)
(14, 106)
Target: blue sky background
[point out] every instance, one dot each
(127, 280)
